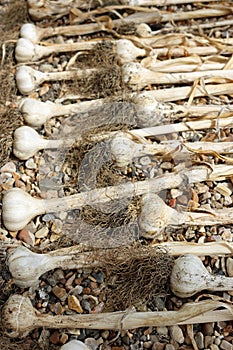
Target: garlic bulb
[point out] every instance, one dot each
(31, 32)
(19, 317)
(127, 51)
(27, 79)
(189, 276)
(19, 208)
(27, 142)
(26, 267)
(74, 345)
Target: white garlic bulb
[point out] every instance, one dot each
(127, 51)
(189, 276)
(74, 345)
(27, 79)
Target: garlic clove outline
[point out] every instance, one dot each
(74, 345)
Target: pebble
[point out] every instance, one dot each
(199, 339)
(208, 341)
(92, 343)
(57, 226)
(48, 217)
(223, 189)
(42, 233)
(166, 165)
(169, 347)
(63, 338)
(158, 346)
(162, 330)
(60, 293)
(225, 345)
(30, 164)
(176, 334)
(208, 328)
(229, 266)
(55, 337)
(58, 275)
(74, 304)
(9, 167)
(214, 347)
(27, 237)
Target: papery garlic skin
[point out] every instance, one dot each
(24, 51)
(35, 112)
(31, 32)
(26, 267)
(144, 30)
(127, 51)
(18, 316)
(27, 79)
(18, 208)
(74, 345)
(27, 142)
(189, 276)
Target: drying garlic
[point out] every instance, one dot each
(137, 77)
(19, 317)
(156, 216)
(36, 112)
(26, 51)
(26, 267)
(189, 276)
(28, 79)
(18, 207)
(27, 142)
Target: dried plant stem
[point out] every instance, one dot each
(195, 125)
(19, 317)
(19, 207)
(138, 77)
(156, 216)
(155, 16)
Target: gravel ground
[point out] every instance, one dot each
(57, 173)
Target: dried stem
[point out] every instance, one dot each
(19, 317)
(19, 207)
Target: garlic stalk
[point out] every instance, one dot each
(26, 267)
(18, 207)
(28, 79)
(26, 51)
(137, 77)
(36, 112)
(27, 142)
(124, 149)
(156, 216)
(35, 33)
(189, 276)
(150, 112)
(19, 317)
(74, 345)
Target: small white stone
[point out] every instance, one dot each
(30, 164)
(42, 233)
(9, 167)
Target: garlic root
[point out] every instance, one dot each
(189, 276)
(18, 207)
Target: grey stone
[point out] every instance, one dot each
(176, 334)
(199, 338)
(225, 345)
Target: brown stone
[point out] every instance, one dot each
(74, 304)
(55, 337)
(60, 293)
